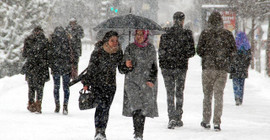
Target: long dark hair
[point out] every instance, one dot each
(106, 38)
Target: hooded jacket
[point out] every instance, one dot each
(60, 59)
(35, 52)
(209, 52)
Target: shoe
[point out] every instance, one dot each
(38, 107)
(237, 102)
(57, 108)
(179, 124)
(205, 125)
(217, 127)
(172, 124)
(31, 107)
(100, 136)
(138, 135)
(138, 138)
(65, 109)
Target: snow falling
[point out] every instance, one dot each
(18, 18)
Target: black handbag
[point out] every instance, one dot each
(87, 99)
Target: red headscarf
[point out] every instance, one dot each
(145, 38)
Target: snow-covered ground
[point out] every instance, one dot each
(247, 122)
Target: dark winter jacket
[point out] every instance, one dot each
(102, 67)
(175, 48)
(240, 64)
(76, 34)
(60, 53)
(36, 65)
(216, 45)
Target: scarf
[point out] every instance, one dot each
(145, 38)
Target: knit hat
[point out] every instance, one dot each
(178, 16)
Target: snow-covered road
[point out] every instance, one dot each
(247, 122)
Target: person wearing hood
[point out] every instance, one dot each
(101, 78)
(75, 33)
(60, 62)
(36, 68)
(175, 48)
(240, 66)
(217, 49)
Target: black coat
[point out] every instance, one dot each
(102, 67)
(60, 59)
(76, 34)
(240, 65)
(175, 48)
(35, 51)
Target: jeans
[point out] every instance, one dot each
(66, 79)
(174, 80)
(238, 87)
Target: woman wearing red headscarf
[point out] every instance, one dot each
(140, 90)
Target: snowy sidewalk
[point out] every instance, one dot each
(247, 122)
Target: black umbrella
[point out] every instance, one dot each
(126, 24)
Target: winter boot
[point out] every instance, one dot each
(65, 109)
(237, 102)
(171, 124)
(138, 124)
(38, 106)
(217, 127)
(138, 135)
(138, 138)
(179, 123)
(57, 108)
(31, 107)
(205, 125)
(100, 134)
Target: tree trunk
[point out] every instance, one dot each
(268, 49)
(252, 41)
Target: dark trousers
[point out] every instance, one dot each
(138, 123)
(174, 80)
(105, 95)
(65, 79)
(238, 87)
(35, 87)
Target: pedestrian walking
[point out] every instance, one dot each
(60, 62)
(36, 67)
(175, 48)
(216, 47)
(101, 76)
(240, 66)
(140, 88)
(75, 33)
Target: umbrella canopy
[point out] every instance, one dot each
(126, 23)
